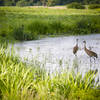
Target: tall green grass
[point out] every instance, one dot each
(76, 5)
(26, 23)
(21, 81)
(17, 79)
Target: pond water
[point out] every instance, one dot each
(57, 52)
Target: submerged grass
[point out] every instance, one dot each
(27, 23)
(21, 81)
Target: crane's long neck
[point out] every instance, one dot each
(85, 46)
(77, 43)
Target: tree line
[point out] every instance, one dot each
(44, 2)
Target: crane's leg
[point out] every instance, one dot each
(76, 66)
(77, 69)
(94, 60)
(90, 64)
(75, 55)
(77, 63)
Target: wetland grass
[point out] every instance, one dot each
(38, 22)
(21, 81)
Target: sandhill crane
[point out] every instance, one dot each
(89, 52)
(75, 49)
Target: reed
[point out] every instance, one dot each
(22, 81)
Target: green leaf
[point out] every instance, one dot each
(3, 88)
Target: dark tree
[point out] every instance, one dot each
(45, 2)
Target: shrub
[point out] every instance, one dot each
(87, 26)
(56, 27)
(3, 42)
(76, 5)
(3, 33)
(18, 32)
(8, 3)
(51, 3)
(38, 26)
(83, 26)
(94, 6)
(22, 3)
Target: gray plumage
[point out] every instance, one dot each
(75, 49)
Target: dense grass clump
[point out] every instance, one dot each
(23, 3)
(94, 6)
(76, 5)
(17, 79)
(87, 26)
(21, 81)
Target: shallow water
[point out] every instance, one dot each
(57, 52)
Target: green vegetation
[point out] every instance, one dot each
(94, 6)
(76, 5)
(21, 81)
(28, 23)
(22, 3)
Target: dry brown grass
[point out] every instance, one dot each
(53, 7)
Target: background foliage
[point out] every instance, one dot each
(44, 2)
